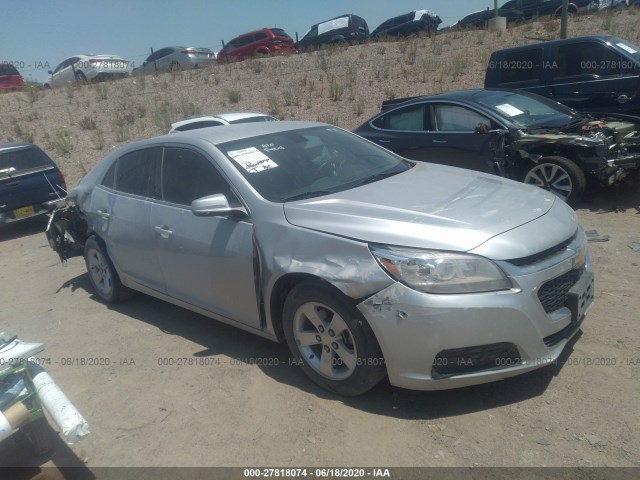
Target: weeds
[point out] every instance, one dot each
(102, 92)
(336, 89)
(273, 104)
(87, 123)
(97, 139)
(411, 53)
(62, 143)
(233, 96)
(32, 93)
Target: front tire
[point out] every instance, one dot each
(331, 340)
(560, 176)
(103, 275)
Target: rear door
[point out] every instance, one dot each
(121, 207)
(206, 261)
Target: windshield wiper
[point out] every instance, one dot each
(374, 178)
(304, 195)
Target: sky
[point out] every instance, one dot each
(37, 35)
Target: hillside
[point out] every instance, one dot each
(78, 125)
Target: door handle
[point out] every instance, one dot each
(384, 141)
(104, 214)
(439, 141)
(163, 231)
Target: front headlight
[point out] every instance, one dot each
(434, 271)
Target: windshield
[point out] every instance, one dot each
(527, 111)
(310, 162)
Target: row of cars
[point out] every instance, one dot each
(347, 28)
(365, 262)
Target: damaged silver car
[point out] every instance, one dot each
(514, 134)
(364, 263)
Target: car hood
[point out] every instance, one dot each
(429, 206)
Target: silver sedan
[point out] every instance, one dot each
(365, 264)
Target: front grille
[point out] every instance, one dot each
(538, 257)
(553, 294)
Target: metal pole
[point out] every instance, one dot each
(564, 20)
(495, 8)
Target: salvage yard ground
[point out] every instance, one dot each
(161, 386)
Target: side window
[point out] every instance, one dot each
(187, 175)
(259, 36)
(588, 58)
(410, 118)
(453, 118)
(109, 179)
(138, 172)
(520, 66)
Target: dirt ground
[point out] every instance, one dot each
(219, 406)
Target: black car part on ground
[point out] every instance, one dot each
(67, 231)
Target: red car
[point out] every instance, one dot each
(10, 79)
(268, 41)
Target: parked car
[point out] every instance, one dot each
(513, 134)
(30, 182)
(409, 24)
(168, 59)
(203, 121)
(520, 10)
(365, 264)
(87, 68)
(596, 73)
(266, 41)
(10, 78)
(347, 28)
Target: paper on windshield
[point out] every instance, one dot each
(252, 160)
(626, 47)
(509, 109)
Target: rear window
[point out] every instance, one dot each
(278, 32)
(23, 159)
(8, 69)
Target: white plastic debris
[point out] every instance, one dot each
(64, 414)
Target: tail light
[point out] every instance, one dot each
(60, 180)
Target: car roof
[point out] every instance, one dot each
(10, 145)
(230, 133)
(605, 38)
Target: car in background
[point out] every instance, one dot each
(266, 41)
(10, 78)
(596, 73)
(30, 182)
(168, 59)
(365, 264)
(513, 134)
(204, 121)
(346, 28)
(409, 24)
(520, 10)
(87, 68)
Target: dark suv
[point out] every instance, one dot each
(345, 28)
(267, 41)
(30, 183)
(598, 73)
(408, 24)
(10, 78)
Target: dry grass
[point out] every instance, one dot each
(338, 85)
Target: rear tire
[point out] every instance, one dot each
(103, 275)
(331, 340)
(560, 176)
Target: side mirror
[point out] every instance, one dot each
(216, 206)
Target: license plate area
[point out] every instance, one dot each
(23, 212)
(581, 296)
